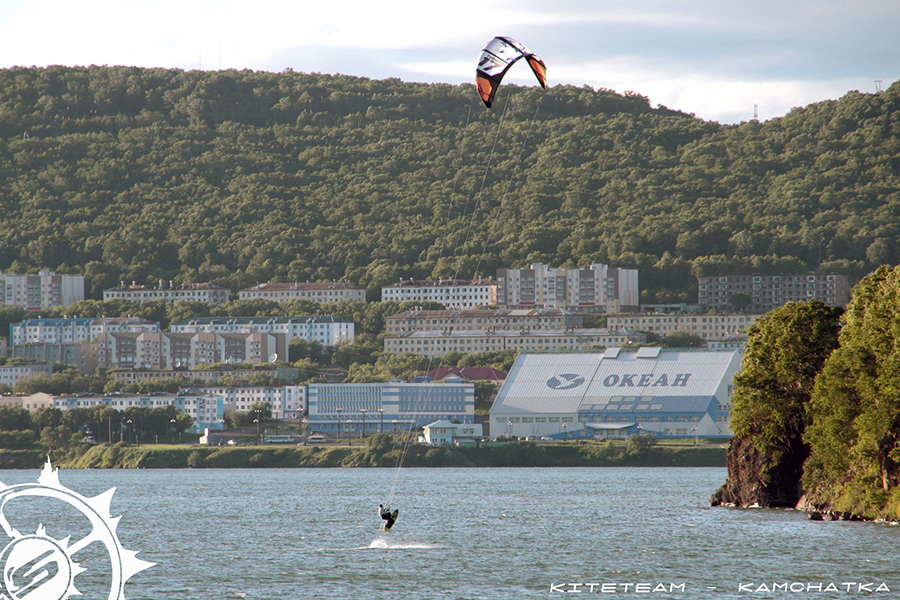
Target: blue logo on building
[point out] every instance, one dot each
(565, 381)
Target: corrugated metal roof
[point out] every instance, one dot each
(564, 382)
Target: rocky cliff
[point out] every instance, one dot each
(766, 480)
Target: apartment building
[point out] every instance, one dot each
(287, 402)
(327, 330)
(166, 350)
(767, 292)
(190, 292)
(709, 326)
(437, 343)
(207, 410)
(212, 376)
(75, 329)
(321, 292)
(599, 289)
(461, 294)
(44, 290)
(469, 320)
(11, 374)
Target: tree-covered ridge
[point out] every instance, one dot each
(239, 177)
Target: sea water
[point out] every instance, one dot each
(489, 533)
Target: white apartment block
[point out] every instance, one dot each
(452, 293)
(468, 320)
(11, 374)
(598, 289)
(710, 327)
(767, 292)
(44, 290)
(437, 343)
(184, 351)
(209, 376)
(75, 329)
(190, 292)
(328, 331)
(321, 292)
(287, 402)
(207, 410)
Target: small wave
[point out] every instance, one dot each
(382, 543)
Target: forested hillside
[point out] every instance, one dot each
(239, 177)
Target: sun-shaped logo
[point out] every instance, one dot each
(38, 567)
(565, 381)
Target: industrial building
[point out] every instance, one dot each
(616, 393)
(366, 408)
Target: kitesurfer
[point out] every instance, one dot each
(389, 517)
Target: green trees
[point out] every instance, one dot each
(243, 177)
(785, 353)
(786, 350)
(855, 408)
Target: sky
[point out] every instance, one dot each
(718, 59)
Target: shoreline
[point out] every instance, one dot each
(514, 454)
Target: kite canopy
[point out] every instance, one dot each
(496, 58)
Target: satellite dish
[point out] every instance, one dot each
(273, 357)
(178, 365)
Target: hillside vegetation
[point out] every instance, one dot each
(239, 177)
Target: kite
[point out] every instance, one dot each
(496, 59)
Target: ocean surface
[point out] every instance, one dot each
(462, 534)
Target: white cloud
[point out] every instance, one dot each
(715, 58)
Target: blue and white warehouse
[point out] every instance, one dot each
(616, 393)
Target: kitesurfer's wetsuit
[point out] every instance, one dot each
(388, 516)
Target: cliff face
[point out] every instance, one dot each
(762, 479)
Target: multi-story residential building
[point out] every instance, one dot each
(452, 293)
(321, 292)
(191, 292)
(213, 376)
(437, 343)
(75, 329)
(166, 350)
(358, 408)
(32, 402)
(44, 290)
(598, 289)
(207, 410)
(287, 402)
(709, 326)
(82, 355)
(469, 320)
(11, 374)
(766, 292)
(328, 331)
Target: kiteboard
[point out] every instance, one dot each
(389, 519)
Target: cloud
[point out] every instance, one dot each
(715, 58)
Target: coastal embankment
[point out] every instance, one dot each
(511, 454)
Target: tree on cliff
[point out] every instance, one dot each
(786, 350)
(854, 465)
